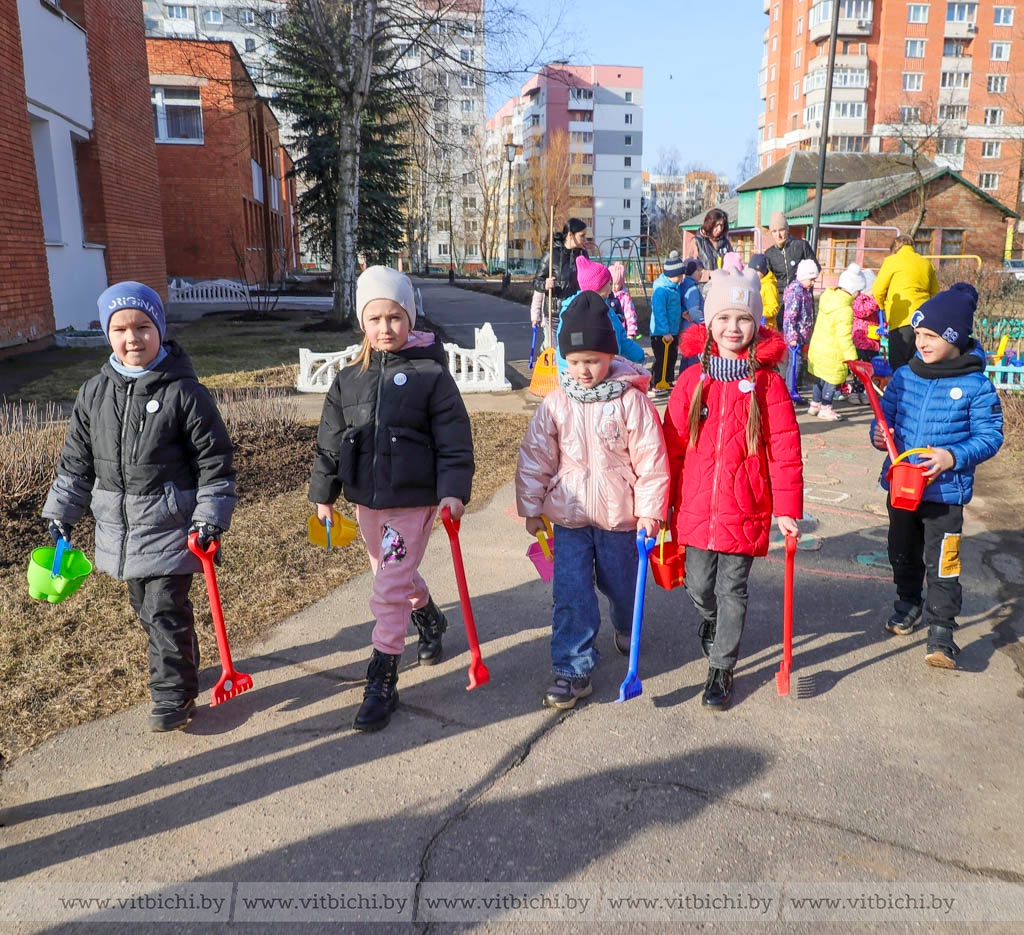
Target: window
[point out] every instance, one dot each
(910, 115)
(950, 147)
(993, 116)
(627, 224)
(467, 130)
(250, 45)
(465, 55)
(961, 12)
(771, 102)
(469, 203)
(1003, 16)
(534, 120)
(275, 18)
(213, 17)
(996, 84)
(581, 94)
(775, 43)
(913, 81)
(952, 111)
(627, 182)
(796, 90)
(468, 105)
(628, 140)
(247, 17)
(627, 203)
(439, 104)
(1000, 51)
(469, 178)
(629, 119)
(441, 79)
(581, 136)
(988, 181)
(799, 25)
(629, 97)
(914, 48)
(951, 242)
(466, 30)
(177, 115)
(442, 249)
(955, 48)
(627, 161)
(923, 241)
(775, 13)
(177, 12)
(467, 80)
(957, 80)
(798, 58)
(917, 13)
(991, 149)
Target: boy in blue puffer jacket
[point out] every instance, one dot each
(941, 400)
(667, 320)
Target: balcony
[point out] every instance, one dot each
(848, 27)
(960, 29)
(957, 63)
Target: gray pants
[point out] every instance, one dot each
(717, 585)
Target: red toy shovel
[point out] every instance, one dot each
(231, 682)
(782, 676)
(478, 674)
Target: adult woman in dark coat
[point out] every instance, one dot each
(568, 244)
(709, 245)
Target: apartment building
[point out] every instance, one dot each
(595, 114)
(227, 200)
(940, 78)
(685, 194)
(79, 188)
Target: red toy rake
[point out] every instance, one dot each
(478, 674)
(782, 676)
(231, 682)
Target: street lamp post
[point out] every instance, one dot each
(510, 155)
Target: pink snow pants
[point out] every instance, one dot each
(395, 540)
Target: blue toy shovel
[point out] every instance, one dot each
(58, 556)
(533, 346)
(793, 373)
(632, 686)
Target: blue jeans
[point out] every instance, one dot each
(581, 557)
(823, 392)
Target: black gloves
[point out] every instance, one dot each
(59, 530)
(207, 533)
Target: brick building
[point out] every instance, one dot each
(81, 203)
(227, 204)
(937, 77)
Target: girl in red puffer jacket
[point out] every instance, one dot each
(734, 455)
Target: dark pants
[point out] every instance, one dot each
(665, 355)
(902, 346)
(582, 557)
(165, 613)
(717, 585)
(924, 546)
(866, 355)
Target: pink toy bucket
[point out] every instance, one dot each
(541, 552)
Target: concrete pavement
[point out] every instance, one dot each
(877, 778)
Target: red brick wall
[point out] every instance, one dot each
(26, 311)
(206, 191)
(118, 167)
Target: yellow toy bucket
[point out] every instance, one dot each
(343, 530)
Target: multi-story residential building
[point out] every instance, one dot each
(580, 121)
(247, 24)
(79, 187)
(942, 78)
(227, 200)
(685, 194)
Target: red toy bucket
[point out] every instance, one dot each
(668, 563)
(906, 482)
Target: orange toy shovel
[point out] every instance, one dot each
(478, 674)
(231, 682)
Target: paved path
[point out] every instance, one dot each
(877, 779)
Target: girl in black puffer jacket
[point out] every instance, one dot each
(395, 439)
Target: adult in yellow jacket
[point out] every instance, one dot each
(905, 282)
(832, 341)
(769, 290)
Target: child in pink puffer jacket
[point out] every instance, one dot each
(594, 462)
(865, 316)
(622, 296)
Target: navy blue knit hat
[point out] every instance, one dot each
(130, 294)
(950, 314)
(674, 265)
(587, 327)
(758, 262)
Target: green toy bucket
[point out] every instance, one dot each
(43, 586)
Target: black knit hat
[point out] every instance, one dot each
(587, 327)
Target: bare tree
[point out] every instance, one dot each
(545, 184)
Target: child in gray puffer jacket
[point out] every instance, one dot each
(147, 451)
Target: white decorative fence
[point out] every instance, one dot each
(477, 370)
(213, 290)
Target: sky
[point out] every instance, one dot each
(700, 58)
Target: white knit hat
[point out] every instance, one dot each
(382, 282)
(807, 269)
(852, 279)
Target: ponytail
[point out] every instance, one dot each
(696, 401)
(754, 413)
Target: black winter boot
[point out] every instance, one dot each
(942, 651)
(718, 689)
(380, 697)
(707, 637)
(430, 623)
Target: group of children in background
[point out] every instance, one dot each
(147, 449)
